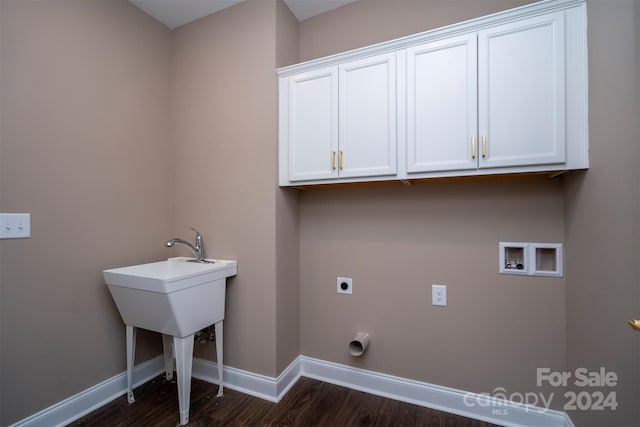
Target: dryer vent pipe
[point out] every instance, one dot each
(359, 344)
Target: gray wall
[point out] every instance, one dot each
(85, 150)
(118, 134)
(602, 222)
(287, 220)
(366, 22)
(395, 242)
(89, 89)
(223, 130)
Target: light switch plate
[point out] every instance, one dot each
(15, 225)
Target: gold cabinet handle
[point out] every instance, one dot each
(484, 146)
(473, 147)
(635, 324)
(340, 156)
(333, 159)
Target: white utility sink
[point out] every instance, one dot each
(177, 298)
(174, 297)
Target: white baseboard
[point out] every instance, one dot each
(509, 414)
(472, 405)
(75, 407)
(262, 386)
(496, 411)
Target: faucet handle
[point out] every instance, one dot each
(198, 237)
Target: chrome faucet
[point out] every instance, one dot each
(198, 249)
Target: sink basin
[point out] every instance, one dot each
(177, 298)
(173, 297)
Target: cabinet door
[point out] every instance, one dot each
(368, 117)
(442, 105)
(313, 125)
(522, 92)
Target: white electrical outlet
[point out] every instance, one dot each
(15, 226)
(345, 285)
(439, 295)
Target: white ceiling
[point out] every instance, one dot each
(174, 13)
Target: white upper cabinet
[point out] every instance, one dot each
(312, 131)
(501, 94)
(522, 92)
(367, 111)
(342, 120)
(442, 105)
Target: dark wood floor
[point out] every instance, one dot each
(308, 403)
